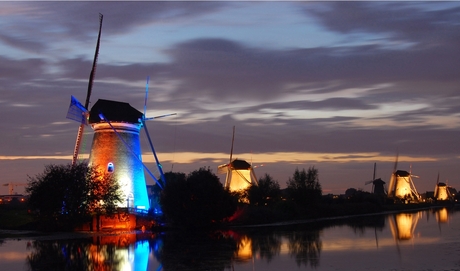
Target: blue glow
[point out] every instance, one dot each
(141, 255)
(122, 147)
(110, 167)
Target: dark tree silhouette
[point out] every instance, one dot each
(304, 187)
(70, 193)
(265, 193)
(197, 200)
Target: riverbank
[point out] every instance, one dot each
(19, 222)
(253, 216)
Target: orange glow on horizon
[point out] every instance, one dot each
(267, 157)
(276, 157)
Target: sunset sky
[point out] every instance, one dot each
(334, 85)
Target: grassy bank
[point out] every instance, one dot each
(15, 217)
(255, 215)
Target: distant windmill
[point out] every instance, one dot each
(401, 185)
(240, 174)
(378, 185)
(442, 191)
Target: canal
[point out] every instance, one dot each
(416, 240)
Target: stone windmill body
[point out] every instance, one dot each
(116, 147)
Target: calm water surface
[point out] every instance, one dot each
(424, 240)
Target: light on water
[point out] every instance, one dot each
(423, 240)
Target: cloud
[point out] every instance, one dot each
(388, 81)
(19, 70)
(423, 24)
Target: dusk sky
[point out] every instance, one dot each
(334, 85)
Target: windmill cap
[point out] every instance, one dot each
(114, 111)
(402, 173)
(240, 164)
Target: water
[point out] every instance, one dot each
(423, 240)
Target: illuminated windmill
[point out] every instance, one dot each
(442, 191)
(401, 185)
(116, 144)
(240, 174)
(116, 147)
(378, 185)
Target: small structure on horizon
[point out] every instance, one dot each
(240, 175)
(444, 192)
(378, 185)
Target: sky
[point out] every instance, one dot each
(338, 86)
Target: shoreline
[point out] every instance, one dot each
(8, 234)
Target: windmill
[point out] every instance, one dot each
(401, 185)
(442, 191)
(240, 174)
(116, 143)
(378, 185)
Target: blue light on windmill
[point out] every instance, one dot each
(110, 167)
(77, 111)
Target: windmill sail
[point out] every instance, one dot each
(77, 111)
(88, 94)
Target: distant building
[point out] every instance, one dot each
(13, 199)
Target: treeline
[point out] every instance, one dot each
(64, 196)
(199, 199)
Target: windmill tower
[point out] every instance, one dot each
(240, 174)
(378, 185)
(401, 185)
(116, 147)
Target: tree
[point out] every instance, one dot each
(265, 193)
(304, 187)
(69, 193)
(197, 200)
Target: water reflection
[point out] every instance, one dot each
(217, 250)
(113, 252)
(403, 225)
(197, 251)
(304, 246)
(442, 215)
(265, 244)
